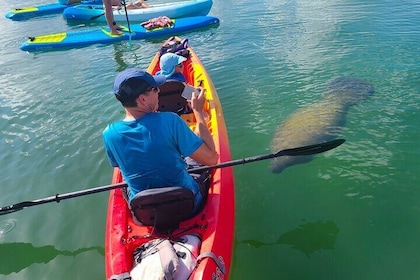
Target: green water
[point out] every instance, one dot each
(351, 213)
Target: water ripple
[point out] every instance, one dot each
(7, 226)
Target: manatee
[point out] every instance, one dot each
(319, 122)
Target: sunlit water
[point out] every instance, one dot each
(351, 213)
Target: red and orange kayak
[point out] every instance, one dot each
(214, 224)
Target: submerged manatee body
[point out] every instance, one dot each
(319, 122)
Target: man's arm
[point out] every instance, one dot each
(206, 153)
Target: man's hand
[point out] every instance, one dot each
(198, 100)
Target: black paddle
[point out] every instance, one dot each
(126, 17)
(301, 151)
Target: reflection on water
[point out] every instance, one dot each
(18, 255)
(307, 238)
(127, 54)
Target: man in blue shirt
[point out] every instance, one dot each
(149, 146)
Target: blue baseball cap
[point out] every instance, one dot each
(139, 79)
(167, 64)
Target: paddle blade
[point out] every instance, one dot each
(300, 151)
(312, 149)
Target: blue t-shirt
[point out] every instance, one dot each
(149, 151)
(177, 77)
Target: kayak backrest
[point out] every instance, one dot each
(163, 208)
(170, 97)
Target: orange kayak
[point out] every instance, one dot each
(213, 225)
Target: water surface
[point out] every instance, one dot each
(351, 213)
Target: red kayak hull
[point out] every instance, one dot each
(214, 224)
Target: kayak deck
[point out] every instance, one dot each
(103, 36)
(47, 9)
(178, 9)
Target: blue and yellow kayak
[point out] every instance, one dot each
(178, 9)
(103, 36)
(33, 11)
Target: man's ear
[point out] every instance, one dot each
(141, 99)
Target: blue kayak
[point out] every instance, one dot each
(103, 35)
(33, 11)
(186, 8)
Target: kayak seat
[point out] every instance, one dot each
(164, 208)
(170, 97)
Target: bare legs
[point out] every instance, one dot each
(110, 18)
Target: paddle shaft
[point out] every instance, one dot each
(126, 17)
(58, 197)
(301, 151)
